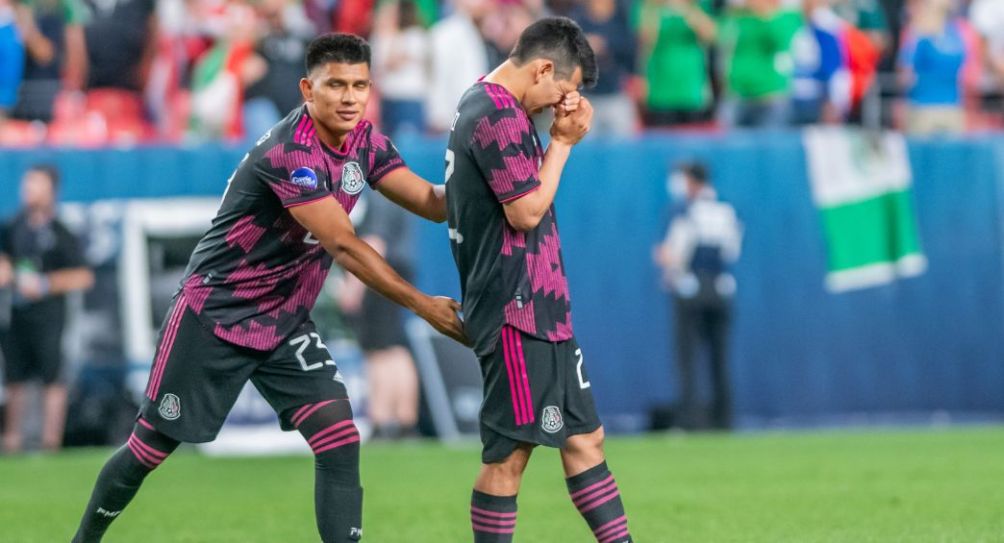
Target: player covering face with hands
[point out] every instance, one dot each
(503, 228)
(243, 310)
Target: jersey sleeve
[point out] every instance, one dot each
(290, 177)
(504, 149)
(384, 157)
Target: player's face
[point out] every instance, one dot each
(36, 191)
(549, 88)
(336, 94)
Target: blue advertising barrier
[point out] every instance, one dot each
(922, 345)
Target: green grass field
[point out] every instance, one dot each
(883, 486)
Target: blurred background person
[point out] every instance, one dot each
(11, 58)
(835, 67)
(987, 17)
(609, 32)
(756, 41)
(819, 92)
(401, 67)
(932, 55)
(702, 243)
(867, 16)
(221, 75)
(277, 63)
(458, 58)
(379, 323)
(56, 55)
(502, 25)
(47, 264)
(121, 40)
(675, 36)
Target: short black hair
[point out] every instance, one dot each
(337, 47)
(50, 171)
(560, 40)
(695, 170)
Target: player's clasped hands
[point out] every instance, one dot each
(572, 117)
(442, 313)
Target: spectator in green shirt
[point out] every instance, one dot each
(756, 43)
(675, 36)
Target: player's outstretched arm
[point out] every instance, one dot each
(570, 126)
(410, 191)
(329, 223)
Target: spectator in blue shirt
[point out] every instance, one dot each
(11, 58)
(931, 60)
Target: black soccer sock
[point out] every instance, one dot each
(338, 498)
(594, 493)
(121, 478)
(493, 518)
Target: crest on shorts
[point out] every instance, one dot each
(352, 178)
(550, 420)
(170, 407)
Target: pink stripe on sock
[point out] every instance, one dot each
(590, 488)
(354, 438)
(340, 435)
(149, 461)
(587, 508)
(139, 455)
(329, 430)
(493, 522)
(582, 500)
(496, 514)
(609, 527)
(313, 409)
(154, 453)
(527, 398)
(142, 422)
(623, 533)
(513, 394)
(490, 529)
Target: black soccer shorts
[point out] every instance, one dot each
(535, 392)
(33, 348)
(191, 392)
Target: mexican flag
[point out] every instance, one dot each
(862, 185)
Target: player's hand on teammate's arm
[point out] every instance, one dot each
(329, 223)
(570, 126)
(442, 313)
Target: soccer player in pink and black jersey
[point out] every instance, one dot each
(243, 309)
(504, 232)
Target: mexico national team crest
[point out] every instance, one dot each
(352, 178)
(550, 420)
(170, 407)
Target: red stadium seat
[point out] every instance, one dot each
(21, 133)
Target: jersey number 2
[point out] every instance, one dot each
(583, 384)
(301, 343)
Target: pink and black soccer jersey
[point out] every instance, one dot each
(256, 274)
(507, 276)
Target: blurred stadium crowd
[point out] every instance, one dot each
(99, 72)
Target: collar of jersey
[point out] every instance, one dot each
(315, 140)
